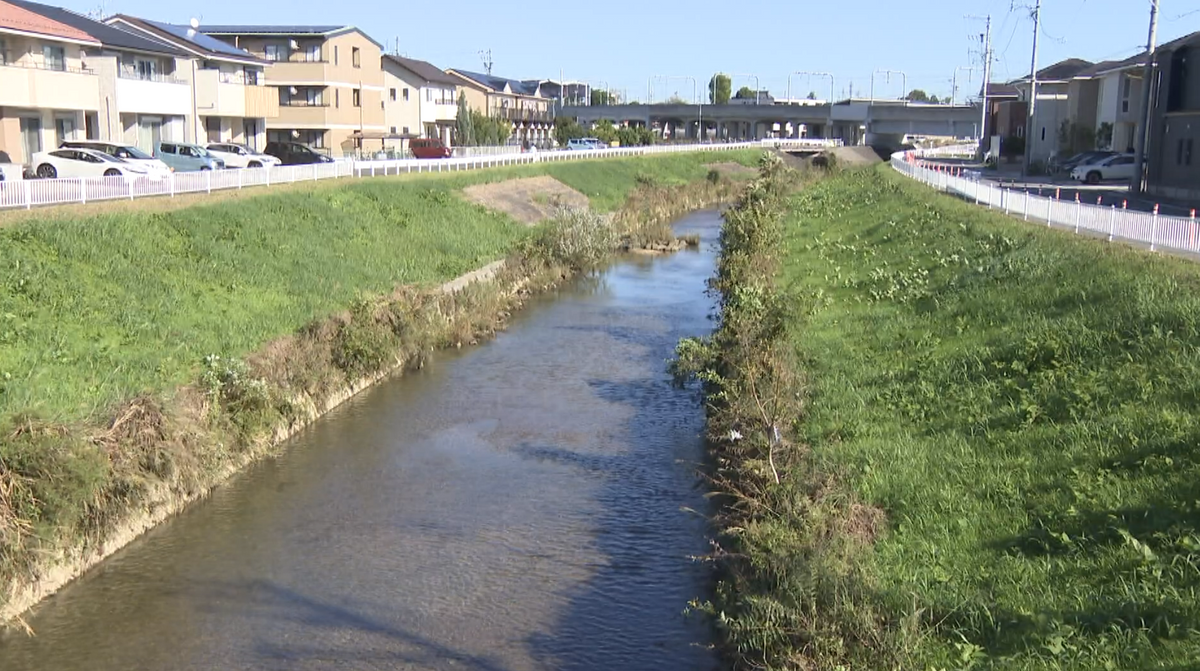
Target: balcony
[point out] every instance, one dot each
(154, 95)
(302, 115)
(230, 95)
(520, 114)
(297, 71)
(57, 87)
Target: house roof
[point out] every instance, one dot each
(423, 69)
(20, 19)
(284, 31)
(186, 38)
(106, 35)
(1001, 90)
(498, 83)
(1187, 40)
(1059, 72)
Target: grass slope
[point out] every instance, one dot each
(102, 307)
(1023, 405)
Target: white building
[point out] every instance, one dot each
(418, 99)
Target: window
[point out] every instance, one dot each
(312, 97)
(393, 130)
(1187, 152)
(335, 58)
(147, 69)
(406, 130)
(337, 98)
(275, 52)
(356, 97)
(1179, 152)
(406, 94)
(392, 93)
(356, 57)
(1177, 94)
(312, 53)
(428, 95)
(54, 58)
(3, 52)
(1043, 133)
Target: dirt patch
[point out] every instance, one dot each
(528, 200)
(731, 169)
(856, 156)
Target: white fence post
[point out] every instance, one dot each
(82, 191)
(1154, 229)
(1078, 212)
(208, 181)
(1112, 222)
(28, 194)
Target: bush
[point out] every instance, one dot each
(1012, 146)
(578, 238)
(713, 176)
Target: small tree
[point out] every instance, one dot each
(600, 97)
(676, 100)
(567, 129)
(605, 131)
(812, 95)
(718, 89)
(918, 96)
(465, 130)
(745, 92)
(1104, 136)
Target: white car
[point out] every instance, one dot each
(83, 163)
(1112, 167)
(125, 152)
(237, 156)
(9, 171)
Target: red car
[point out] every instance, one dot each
(429, 148)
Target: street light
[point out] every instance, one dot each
(954, 80)
(812, 74)
(889, 73)
(695, 96)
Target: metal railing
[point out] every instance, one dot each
(1113, 223)
(39, 192)
(127, 73)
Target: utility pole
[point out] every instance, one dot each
(1029, 121)
(987, 79)
(1143, 136)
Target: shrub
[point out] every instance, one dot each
(578, 238)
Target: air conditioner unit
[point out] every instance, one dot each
(292, 90)
(296, 134)
(294, 45)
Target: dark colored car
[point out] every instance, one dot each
(294, 153)
(429, 148)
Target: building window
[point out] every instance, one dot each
(406, 130)
(335, 57)
(393, 130)
(1177, 81)
(1043, 133)
(406, 94)
(275, 52)
(392, 93)
(3, 52)
(337, 98)
(312, 53)
(1187, 152)
(54, 58)
(1179, 152)
(356, 97)
(356, 57)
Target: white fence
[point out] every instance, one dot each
(1151, 228)
(38, 192)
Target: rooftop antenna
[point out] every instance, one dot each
(99, 13)
(486, 56)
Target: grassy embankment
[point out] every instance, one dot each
(995, 435)
(134, 357)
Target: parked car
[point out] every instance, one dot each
(187, 157)
(9, 171)
(125, 152)
(238, 156)
(429, 147)
(83, 163)
(1112, 167)
(1083, 158)
(584, 144)
(294, 153)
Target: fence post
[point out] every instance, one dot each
(82, 191)
(1005, 195)
(1112, 222)
(130, 189)
(208, 181)
(1078, 212)
(267, 172)
(314, 167)
(1192, 237)
(1026, 208)
(1154, 229)
(1049, 203)
(239, 183)
(28, 194)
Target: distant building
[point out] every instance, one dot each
(516, 101)
(419, 99)
(761, 98)
(1172, 164)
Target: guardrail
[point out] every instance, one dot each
(1150, 228)
(40, 192)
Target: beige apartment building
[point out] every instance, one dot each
(328, 81)
(231, 101)
(516, 101)
(64, 76)
(419, 99)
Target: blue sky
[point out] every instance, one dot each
(925, 39)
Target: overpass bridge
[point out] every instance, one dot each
(854, 121)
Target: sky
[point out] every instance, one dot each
(656, 49)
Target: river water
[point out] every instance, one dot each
(517, 505)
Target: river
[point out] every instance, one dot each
(516, 505)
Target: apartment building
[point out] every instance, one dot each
(65, 76)
(231, 102)
(419, 98)
(513, 100)
(1053, 105)
(328, 82)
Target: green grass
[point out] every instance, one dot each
(103, 308)
(1022, 404)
